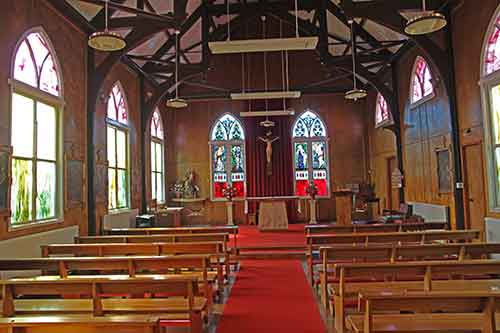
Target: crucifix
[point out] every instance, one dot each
(268, 140)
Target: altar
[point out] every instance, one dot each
(272, 212)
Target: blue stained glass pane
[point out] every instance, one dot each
(236, 159)
(300, 156)
(309, 125)
(227, 128)
(219, 158)
(319, 158)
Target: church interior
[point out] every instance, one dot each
(220, 166)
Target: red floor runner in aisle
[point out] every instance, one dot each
(252, 236)
(270, 297)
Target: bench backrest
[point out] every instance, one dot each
(39, 296)
(400, 227)
(175, 238)
(232, 230)
(420, 237)
(123, 249)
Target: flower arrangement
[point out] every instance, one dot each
(229, 193)
(312, 190)
(177, 189)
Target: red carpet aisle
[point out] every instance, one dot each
(271, 296)
(251, 236)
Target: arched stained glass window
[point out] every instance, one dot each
(310, 149)
(34, 64)
(490, 90)
(227, 156)
(421, 82)
(157, 158)
(382, 114)
(118, 152)
(35, 135)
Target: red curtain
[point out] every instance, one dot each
(280, 183)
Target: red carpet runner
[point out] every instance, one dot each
(271, 296)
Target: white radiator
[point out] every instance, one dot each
(431, 213)
(492, 228)
(121, 219)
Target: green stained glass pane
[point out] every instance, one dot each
(495, 106)
(121, 149)
(236, 132)
(22, 190)
(46, 131)
(319, 156)
(300, 156)
(236, 159)
(122, 189)
(22, 126)
(111, 147)
(112, 189)
(159, 157)
(46, 190)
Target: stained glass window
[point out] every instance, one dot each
(310, 149)
(157, 160)
(227, 157)
(492, 55)
(34, 64)
(117, 150)
(35, 132)
(382, 114)
(421, 84)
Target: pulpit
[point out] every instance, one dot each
(273, 215)
(343, 206)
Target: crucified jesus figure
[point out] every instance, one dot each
(268, 140)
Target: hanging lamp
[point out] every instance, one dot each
(426, 22)
(355, 93)
(177, 102)
(296, 43)
(106, 41)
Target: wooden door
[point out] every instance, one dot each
(392, 193)
(474, 187)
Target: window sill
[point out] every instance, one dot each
(119, 211)
(33, 225)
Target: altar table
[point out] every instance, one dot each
(273, 215)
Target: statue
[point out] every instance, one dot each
(189, 188)
(269, 150)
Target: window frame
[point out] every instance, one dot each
(157, 141)
(309, 141)
(57, 102)
(227, 144)
(424, 99)
(116, 125)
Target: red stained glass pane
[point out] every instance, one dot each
(492, 57)
(382, 110)
(239, 188)
(321, 186)
(421, 81)
(301, 188)
(219, 189)
(156, 125)
(116, 109)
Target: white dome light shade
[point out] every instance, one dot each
(425, 23)
(106, 41)
(356, 94)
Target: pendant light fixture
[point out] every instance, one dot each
(106, 40)
(177, 102)
(355, 93)
(426, 22)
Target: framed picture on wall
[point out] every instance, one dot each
(5, 179)
(444, 171)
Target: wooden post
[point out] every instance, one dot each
(229, 206)
(312, 205)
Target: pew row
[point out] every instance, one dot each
(214, 249)
(354, 279)
(393, 253)
(232, 230)
(84, 305)
(455, 311)
(314, 242)
(378, 227)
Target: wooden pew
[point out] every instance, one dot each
(455, 311)
(64, 267)
(392, 253)
(232, 230)
(408, 276)
(214, 249)
(379, 227)
(41, 305)
(314, 242)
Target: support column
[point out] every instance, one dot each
(397, 130)
(143, 139)
(92, 93)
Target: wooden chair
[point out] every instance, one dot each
(43, 305)
(455, 311)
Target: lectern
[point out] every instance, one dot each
(343, 206)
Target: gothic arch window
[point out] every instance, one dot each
(118, 149)
(157, 158)
(310, 154)
(227, 157)
(382, 114)
(37, 102)
(490, 93)
(421, 82)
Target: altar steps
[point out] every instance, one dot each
(271, 252)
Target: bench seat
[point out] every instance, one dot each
(422, 322)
